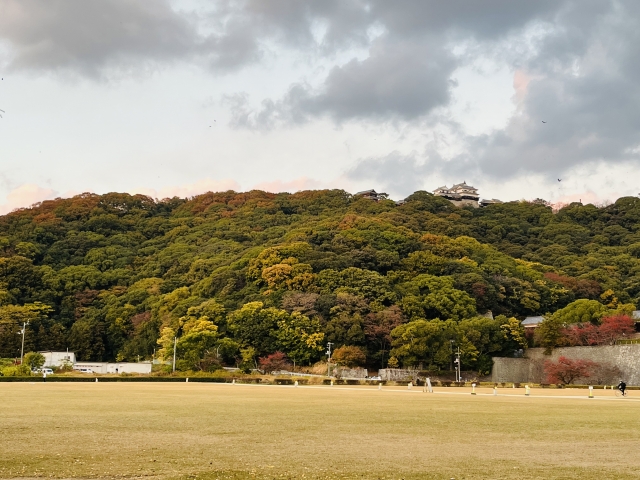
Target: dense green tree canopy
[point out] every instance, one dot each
(237, 276)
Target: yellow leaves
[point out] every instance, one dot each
(202, 324)
(166, 342)
(277, 274)
(273, 256)
(296, 276)
(314, 341)
(514, 330)
(467, 261)
(609, 298)
(303, 282)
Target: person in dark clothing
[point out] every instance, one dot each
(622, 387)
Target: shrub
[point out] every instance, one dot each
(16, 371)
(349, 356)
(34, 360)
(566, 371)
(274, 362)
(210, 363)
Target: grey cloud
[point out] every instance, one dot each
(404, 80)
(408, 71)
(582, 82)
(293, 21)
(486, 19)
(397, 80)
(85, 35)
(90, 36)
(584, 85)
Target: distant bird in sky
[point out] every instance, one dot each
(2, 112)
(543, 121)
(559, 179)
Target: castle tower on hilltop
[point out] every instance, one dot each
(460, 194)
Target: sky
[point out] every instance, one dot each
(523, 100)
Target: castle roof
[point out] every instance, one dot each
(367, 192)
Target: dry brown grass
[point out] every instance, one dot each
(225, 431)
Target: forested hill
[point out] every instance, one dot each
(244, 275)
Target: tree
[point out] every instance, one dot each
(346, 319)
(566, 371)
(580, 311)
(552, 331)
(615, 327)
(299, 336)
(514, 333)
(227, 349)
(86, 339)
(248, 356)
(255, 326)
(34, 360)
(378, 327)
(349, 356)
(428, 296)
(166, 343)
(427, 342)
(612, 328)
(274, 362)
(197, 342)
(488, 338)
(115, 269)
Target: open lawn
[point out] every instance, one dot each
(164, 430)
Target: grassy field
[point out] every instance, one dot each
(228, 431)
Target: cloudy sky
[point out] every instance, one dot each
(180, 97)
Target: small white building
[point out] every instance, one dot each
(58, 359)
(532, 322)
(117, 368)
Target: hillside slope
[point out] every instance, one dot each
(238, 276)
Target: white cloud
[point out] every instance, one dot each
(25, 196)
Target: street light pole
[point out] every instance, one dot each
(175, 344)
(329, 345)
(24, 329)
(459, 367)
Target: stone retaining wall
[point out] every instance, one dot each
(615, 362)
(344, 372)
(398, 374)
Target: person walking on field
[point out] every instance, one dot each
(622, 387)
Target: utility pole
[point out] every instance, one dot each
(329, 345)
(451, 356)
(22, 331)
(175, 344)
